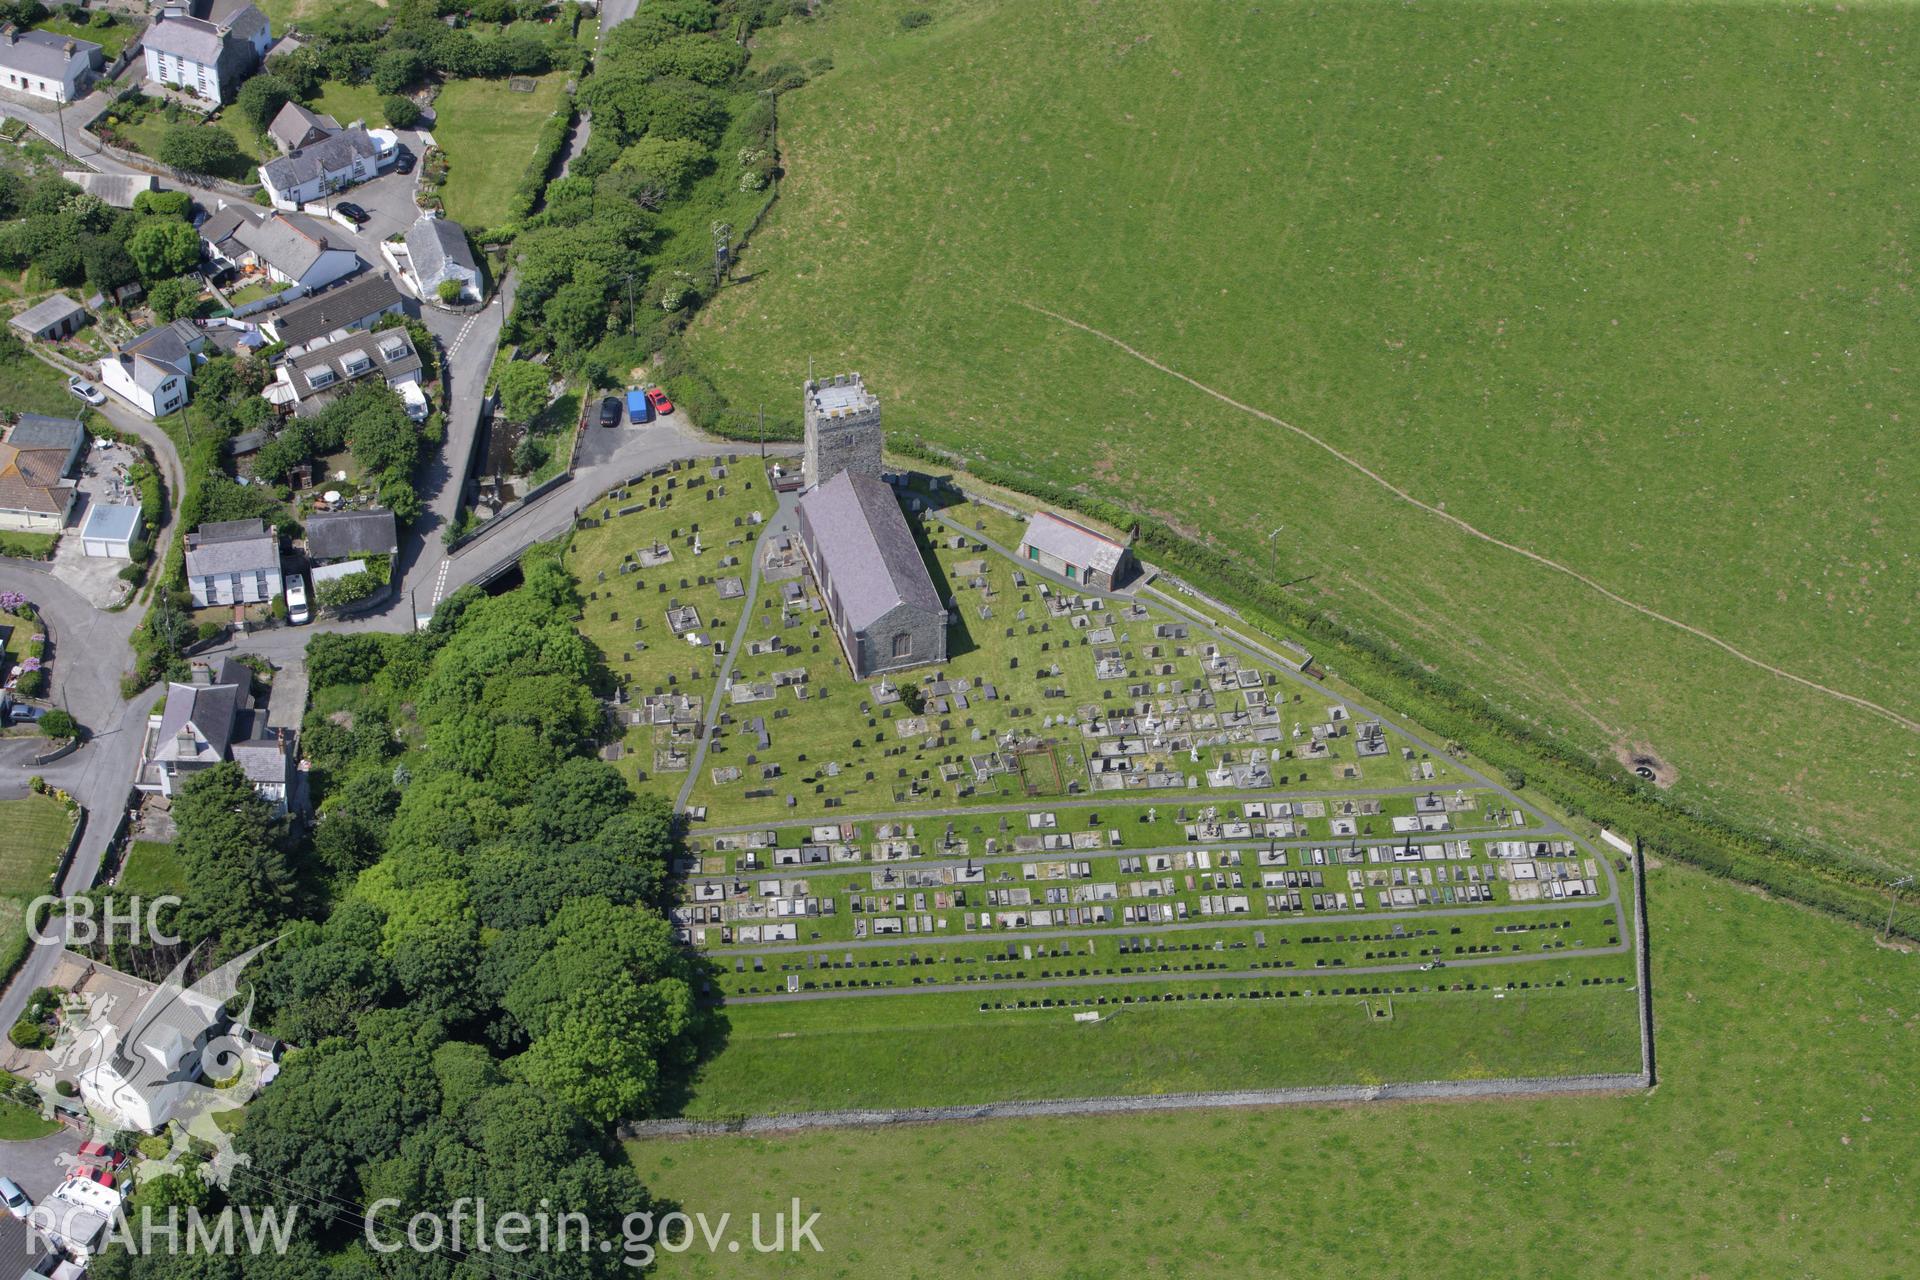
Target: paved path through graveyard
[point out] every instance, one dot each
(779, 522)
(1180, 975)
(1166, 797)
(1863, 703)
(935, 862)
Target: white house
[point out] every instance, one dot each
(334, 163)
(437, 250)
(208, 49)
(233, 562)
(211, 719)
(58, 68)
(290, 248)
(328, 316)
(151, 372)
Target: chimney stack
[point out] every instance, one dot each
(8, 32)
(68, 48)
(202, 675)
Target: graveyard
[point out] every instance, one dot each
(1094, 808)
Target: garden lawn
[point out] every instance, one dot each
(349, 102)
(38, 828)
(28, 546)
(1770, 1148)
(153, 868)
(23, 1124)
(145, 135)
(28, 386)
(488, 133)
(1607, 282)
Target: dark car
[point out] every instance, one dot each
(404, 162)
(352, 213)
(610, 412)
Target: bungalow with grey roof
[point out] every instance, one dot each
(56, 317)
(290, 248)
(332, 314)
(334, 163)
(47, 65)
(437, 251)
(36, 460)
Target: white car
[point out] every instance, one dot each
(297, 611)
(14, 1198)
(84, 390)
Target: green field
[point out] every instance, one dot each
(488, 133)
(349, 102)
(111, 39)
(29, 386)
(1770, 1148)
(1553, 266)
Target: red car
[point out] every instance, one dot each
(100, 1176)
(658, 399)
(101, 1154)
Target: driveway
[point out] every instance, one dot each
(36, 1165)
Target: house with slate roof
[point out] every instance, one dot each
(207, 48)
(36, 460)
(438, 251)
(333, 163)
(878, 593)
(46, 65)
(210, 719)
(233, 562)
(290, 248)
(151, 371)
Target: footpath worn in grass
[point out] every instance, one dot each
(1778, 1143)
(1615, 283)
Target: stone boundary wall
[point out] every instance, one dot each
(1310, 1095)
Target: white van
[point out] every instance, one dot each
(297, 612)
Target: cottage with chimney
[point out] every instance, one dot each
(45, 65)
(211, 719)
(206, 48)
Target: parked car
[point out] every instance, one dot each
(297, 612)
(85, 390)
(93, 1151)
(92, 1174)
(403, 163)
(610, 411)
(25, 713)
(639, 408)
(657, 397)
(352, 213)
(14, 1198)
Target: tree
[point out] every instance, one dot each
(58, 724)
(450, 290)
(163, 248)
(175, 298)
(196, 149)
(261, 98)
(238, 881)
(401, 112)
(395, 69)
(108, 265)
(670, 164)
(163, 204)
(523, 391)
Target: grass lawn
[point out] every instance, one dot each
(257, 290)
(349, 102)
(19, 630)
(110, 39)
(153, 868)
(38, 829)
(1786, 1050)
(22, 1124)
(145, 135)
(29, 386)
(1632, 323)
(28, 546)
(488, 133)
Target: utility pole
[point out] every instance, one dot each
(1893, 902)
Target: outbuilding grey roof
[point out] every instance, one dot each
(334, 154)
(117, 189)
(859, 532)
(232, 546)
(46, 312)
(1076, 544)
(335, 535)
(295, 126)
(38, 431)
(434, 245)
(43, 53)
(341, 307)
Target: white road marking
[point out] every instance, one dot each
(440, 583)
